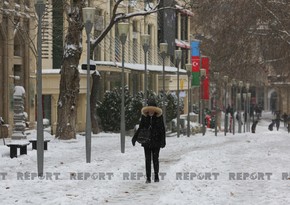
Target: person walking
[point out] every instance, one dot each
(151, 117)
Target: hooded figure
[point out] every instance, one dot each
(151, 116)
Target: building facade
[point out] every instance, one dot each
(18, 53)
(107, 55)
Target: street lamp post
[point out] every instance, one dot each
(229, 103)
(189, 72)
(163, 52)
(39, 7)
(238, 98)
(202, 77)
(245, 111)
(247, 108)
(177, 59)
(226, 78)
(249, 121)
(240, 106)
(123, 30)
(216, 77)
(234, 83)
(88, 18)
(145, 39)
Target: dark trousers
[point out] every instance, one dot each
(149, 154)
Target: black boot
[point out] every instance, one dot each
(148, 180)
(156, 179)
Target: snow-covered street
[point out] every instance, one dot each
(243, 168)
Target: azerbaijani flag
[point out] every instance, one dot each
(195, 60)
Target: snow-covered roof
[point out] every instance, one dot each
(138, 67)
(57, 71)
(130, 66)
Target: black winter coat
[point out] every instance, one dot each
(157, 128)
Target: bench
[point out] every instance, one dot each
(34, 143)
(14, 145)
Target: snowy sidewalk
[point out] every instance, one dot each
(243, 168)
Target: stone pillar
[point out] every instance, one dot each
(19, 115)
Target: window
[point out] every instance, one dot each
(184, 27)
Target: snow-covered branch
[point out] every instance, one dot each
(277, 19)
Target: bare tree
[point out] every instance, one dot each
(244, 37)
(69, 83)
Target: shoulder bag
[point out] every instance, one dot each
(143, 136)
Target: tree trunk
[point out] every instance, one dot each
(94, 99)
(69, 82)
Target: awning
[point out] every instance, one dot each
(182, 44)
